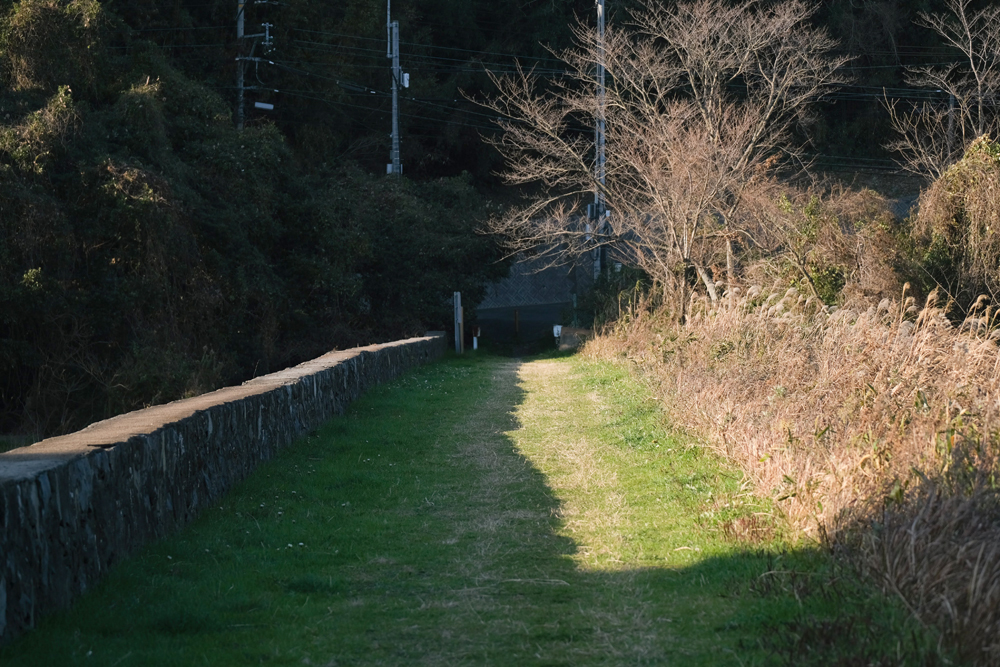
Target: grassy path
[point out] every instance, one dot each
(481, 512)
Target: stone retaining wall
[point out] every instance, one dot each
(73, 506)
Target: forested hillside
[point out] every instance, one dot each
(150, 250)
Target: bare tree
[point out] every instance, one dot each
(935, 133)
(702, 99)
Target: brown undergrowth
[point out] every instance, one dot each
(874, 427)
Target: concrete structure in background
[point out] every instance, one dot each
(73, 506)
(535, 296)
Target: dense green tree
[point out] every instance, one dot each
(149, 250)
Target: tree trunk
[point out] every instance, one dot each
(731, 272)
(709, 285)
(800, 264)
(684, 294)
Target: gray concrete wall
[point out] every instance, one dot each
(73, 506)
(535, 282)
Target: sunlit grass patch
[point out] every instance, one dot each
(625, 479)
(712, 573)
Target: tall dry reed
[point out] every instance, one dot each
(873, 427)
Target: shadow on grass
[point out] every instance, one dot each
(412, 531)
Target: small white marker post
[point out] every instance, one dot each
(459, 347)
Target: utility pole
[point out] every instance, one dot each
(392, 28)
(243, 57)
(240, 13)
(600, 204)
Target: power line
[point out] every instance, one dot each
(431, 62)
(178, 29)
(361, 89)
(166, 46)
(333, 48)
(429, 46)
(417, 68)
(311, 95)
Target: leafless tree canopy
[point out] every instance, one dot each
(701, 100)
(934, 134)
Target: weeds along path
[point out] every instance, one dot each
(482, 511)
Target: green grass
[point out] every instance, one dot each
(481, 512)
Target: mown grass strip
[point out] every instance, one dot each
(482, 511)
(709, 574)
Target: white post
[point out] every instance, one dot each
(457, 299)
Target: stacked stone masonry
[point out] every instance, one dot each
(73, 506)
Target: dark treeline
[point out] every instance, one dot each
(149, 250)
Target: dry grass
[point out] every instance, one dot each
(941, 555)
(957, 222)
(881, 416)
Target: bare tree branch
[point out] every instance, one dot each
(701, 100)
(934, 134)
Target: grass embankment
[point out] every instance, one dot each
(873, 426)
(483, 511)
